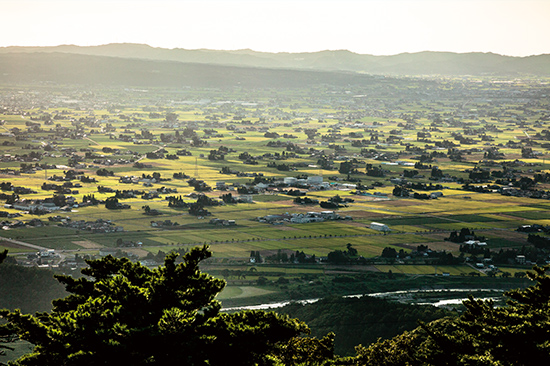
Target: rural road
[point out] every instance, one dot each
(23, 244)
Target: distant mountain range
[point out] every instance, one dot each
(65, 68)
(139, 64)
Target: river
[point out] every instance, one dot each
(402, 296)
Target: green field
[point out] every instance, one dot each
(426, 270)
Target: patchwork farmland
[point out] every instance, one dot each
(280, 179)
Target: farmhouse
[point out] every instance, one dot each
(435, 195)
(315, 180)
(475, 242)
(221, 186)
(245, 198)
(46, 253)
(379, 227)
(107, 251)
(290, 180)
(31, 205)
(303, 219)
(261, 186)
(220, 222)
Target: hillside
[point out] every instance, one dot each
(101, 70)
(361, 320)
(421, 63)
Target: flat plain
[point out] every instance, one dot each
(481, 146)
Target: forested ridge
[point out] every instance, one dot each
(29, 289)
(361, 320)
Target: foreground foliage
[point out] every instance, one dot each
(125, 313)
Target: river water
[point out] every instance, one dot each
(403, 296)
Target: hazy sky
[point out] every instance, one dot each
(380, 27)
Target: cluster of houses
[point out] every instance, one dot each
(6, 225)
(301, 218)
(510, 191)
(309, 181)
(97, 226)
(220, 222)
(165, 223)
(312, 183)
(530, 193)
(50, 258)
(46, 205)
(130, 179)
(9, 215)
(111, 162)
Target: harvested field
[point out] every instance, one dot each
(88, 244)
